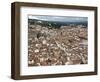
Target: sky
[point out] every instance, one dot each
(59, 18)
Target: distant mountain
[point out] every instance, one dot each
(59, 18)
(56, 23)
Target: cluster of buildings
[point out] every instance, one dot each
(64, 46)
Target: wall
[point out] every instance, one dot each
(5, 40)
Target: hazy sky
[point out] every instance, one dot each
(59, 18)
